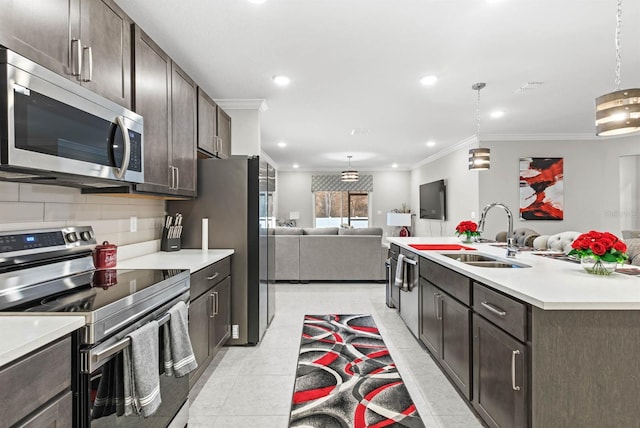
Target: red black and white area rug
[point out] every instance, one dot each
(346, 377)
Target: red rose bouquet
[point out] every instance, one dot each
(467, 228)
(603, 246)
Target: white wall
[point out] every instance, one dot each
(245, 131)
(591, 185)
(390, 191)
(462, 191)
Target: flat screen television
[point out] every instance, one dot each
(433, 200)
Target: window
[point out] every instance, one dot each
(333, 208)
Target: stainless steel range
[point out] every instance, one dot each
(51, 272)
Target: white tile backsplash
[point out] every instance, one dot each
(8, 191)
(29, 206)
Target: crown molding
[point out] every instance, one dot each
(242, 104)
(540, 137)
(467, 142)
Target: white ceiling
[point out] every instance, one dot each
(356, 64)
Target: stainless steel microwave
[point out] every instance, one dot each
(55, 131)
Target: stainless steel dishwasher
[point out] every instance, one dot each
(409, 292)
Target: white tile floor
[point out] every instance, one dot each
(252, 386)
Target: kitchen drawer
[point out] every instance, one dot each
(457, 285)
(34, 380)
(206, 278)
(505, 312)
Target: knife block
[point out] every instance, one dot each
(169, 244)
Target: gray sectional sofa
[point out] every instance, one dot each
(329, 254)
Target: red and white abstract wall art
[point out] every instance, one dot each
(541, 189)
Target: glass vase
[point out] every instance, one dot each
(466, 239)
(596, 266)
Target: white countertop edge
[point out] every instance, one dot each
(547, 284)
(22, 334)
(192, 259)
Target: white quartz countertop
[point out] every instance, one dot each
(548, 284)
(21, 334)
(184, 259)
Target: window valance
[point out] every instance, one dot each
(332, 183)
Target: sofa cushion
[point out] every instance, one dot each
(377, 231)
(523, 236)
(633, 250)
(287, 231)
(558, 242)
(320, 231)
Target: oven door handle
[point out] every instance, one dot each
(98, 357)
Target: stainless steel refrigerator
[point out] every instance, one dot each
(236, 195)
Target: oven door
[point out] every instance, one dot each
(103, 364)
(55, 125)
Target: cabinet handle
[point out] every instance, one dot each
(214, 276)
(217, 302)
(76, 55)
(172, 185)
(494, 309)
(213, 305)
(436, 299)
(177, 178)
(513, 370)
(87, 54)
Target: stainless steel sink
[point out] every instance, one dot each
(470, 257)
(483, 260)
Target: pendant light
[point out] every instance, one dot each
(350, 174)
(618, 112)
(479, 158)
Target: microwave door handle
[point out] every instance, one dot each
(127, 148)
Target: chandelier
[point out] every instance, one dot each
(618, 112)
(479, 158)
(350, 174)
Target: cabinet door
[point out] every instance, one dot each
(456, 342)
(41, 30)
(431, 317)
(224, 133)
(57, 414)
(184, 134)
(222, 318)
(207, 132)
(107, 30)
(499, 376)
(199, 332)
(152, 99)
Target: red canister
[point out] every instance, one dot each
(105, 255)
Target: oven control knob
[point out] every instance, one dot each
(72, 237)
(86, 235)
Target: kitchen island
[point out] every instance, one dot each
(542, 345)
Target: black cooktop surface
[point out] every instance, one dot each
(90, 291)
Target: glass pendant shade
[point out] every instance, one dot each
(618, 112)
(479, 159)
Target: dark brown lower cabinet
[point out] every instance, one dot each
(36, 390)
(445, 332)
(500, 373)
(209, 313)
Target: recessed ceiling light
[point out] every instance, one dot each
(282, 144)
(295, 165)
(428, 80)
(281, 80)
(497, 114)
(431, 143)
(257, 1)
(395, 165)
